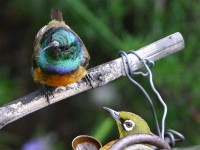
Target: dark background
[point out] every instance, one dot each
(105, 27)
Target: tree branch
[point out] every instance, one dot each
(101, 75)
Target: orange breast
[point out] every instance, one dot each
(108, 145)
(58, 80)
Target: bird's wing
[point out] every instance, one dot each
(85, 58)
(108, 145)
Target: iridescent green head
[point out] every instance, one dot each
(58, 49)
(129, 123)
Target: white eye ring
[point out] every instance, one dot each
(129, 125)
(41, 31)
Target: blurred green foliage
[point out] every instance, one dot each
(106, 27)
(7, 86)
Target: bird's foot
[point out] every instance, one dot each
(89, 79)
(47, 91)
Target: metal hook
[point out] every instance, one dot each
(127, 69)
(144, 61)
(170, 137)
(169, 134)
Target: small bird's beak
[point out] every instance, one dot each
(53, 44)
(113, 113)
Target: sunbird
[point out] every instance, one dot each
(60, 57)
(128, 124)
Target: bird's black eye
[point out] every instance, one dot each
(128, 125)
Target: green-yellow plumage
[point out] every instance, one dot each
(140, 124)
(129, 123)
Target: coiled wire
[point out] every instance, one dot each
(169, 134)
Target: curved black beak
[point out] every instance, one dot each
(113, 113)
(53, 44)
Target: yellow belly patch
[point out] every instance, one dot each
(58, 80)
